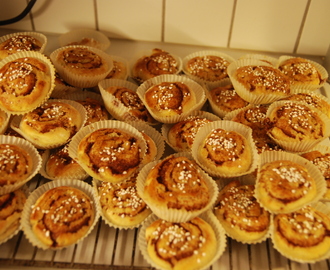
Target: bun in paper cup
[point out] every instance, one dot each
(120, 68)
(59, 203)
(184, 197)
(15, 174)
(191, 248)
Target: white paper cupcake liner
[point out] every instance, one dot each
(15, 124)
(208, 217)
(74, 144)
(261, 57)
(243, 130)
(197, 89)
(305, 86)
(31, 150)
(77, 80)
(166, 127)
(171, 214)
(46, 92)
(77, 35)
(314, 172)
(319, 207)
(302, 145)
(202, 54)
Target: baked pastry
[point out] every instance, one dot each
(301, 71)
(19, 43)
(61, 165)
(62, 216)
(241, 215)
(284, 186)
(52, 124)
(181, 135)
(295, 122)
(110, 154)
(225, 99)
(157, 63)
(151, 148)
(263, 80)
(193, 244)
(25, 83)
(302, 235)
(119, 70)
(225, 153)
(176, 182)
(95, 110)
(169, 99)
(314, 100)
(209, 68)
(11, 207)
(121, 205)
(82, 66)
(131, 101)
(91, 42)
(16, 164)
(322, 162)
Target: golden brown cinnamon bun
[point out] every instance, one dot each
(19, 43)
(61, 216)
(11, 207)
(322, 162)
(25, 83)
(157, 63)
(181, 135)
(302, 235)
(208, 67)
(131, 101)
(111, 154)
(95, 110)
(119, 70)
(169, 99)
(240, 214)
(301, 71)
(52, 124)
(121, 205)
(16, 164)
(185, 245)
(284, 186)
(176, 182)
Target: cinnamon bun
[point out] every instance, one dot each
(119, 70)
(121, 205)
(52, 124)
(11, 207)
(302, 235)
(25, 82)
(111, 154)
(241, 215)
(184, 245)
(157, 63)
(61, 216)
(95, 110)
(16, 164)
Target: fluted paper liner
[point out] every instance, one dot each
(261, 57)
(46, 93)
(35, 195)
(166, 127)
(243, 130)
(26, 191)
(39, 36)
(74, 144)
(307, 86)
(123, 75)
(29, 148)
(77, 80)
(246, 94)
(321, 207)
(6, 118)
(208, 217)
(314, 172)
(196, 88)
(306, 144)
(15, 123)
(203, 53)
(96, 185)
(171, 214)
(76, 35)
